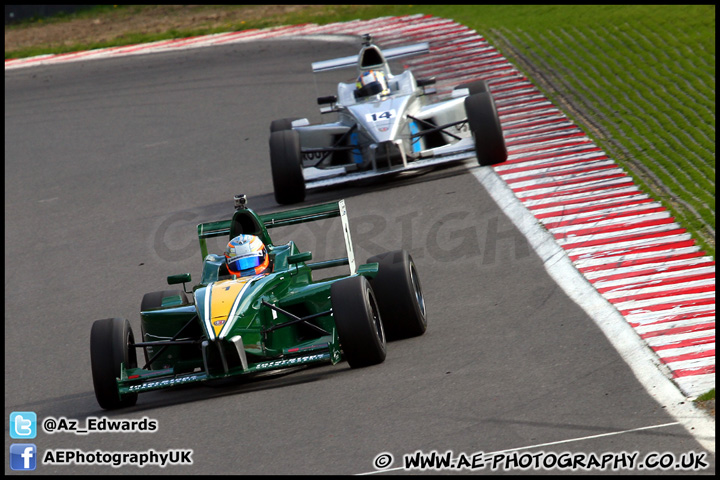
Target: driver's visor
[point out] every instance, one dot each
(243, 263)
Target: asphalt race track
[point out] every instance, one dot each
(110, 165)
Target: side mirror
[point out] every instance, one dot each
(181, 278)
(300, 257)
(326, 100)
(425, 82)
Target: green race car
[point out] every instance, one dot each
(234, 325)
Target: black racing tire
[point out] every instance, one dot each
(286, 166)
(478, 86)
(154, 299)
(110, 345)
(399, 295)
(358, 322)
(486, 129)
(281, 124)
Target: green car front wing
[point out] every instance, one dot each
(135, 380)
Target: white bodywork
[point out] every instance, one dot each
(382, 129)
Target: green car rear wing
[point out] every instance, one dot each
(246, 221)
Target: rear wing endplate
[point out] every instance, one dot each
(389, 54)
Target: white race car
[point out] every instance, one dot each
(386, 124)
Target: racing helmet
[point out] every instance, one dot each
(246, 255)
(371, 82)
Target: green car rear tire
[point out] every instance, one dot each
(154, 299)
(399, 295)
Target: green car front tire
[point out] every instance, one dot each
(111, 343)
(358, 322)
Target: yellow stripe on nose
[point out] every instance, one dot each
(223, 296)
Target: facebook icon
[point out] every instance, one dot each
(23, 456)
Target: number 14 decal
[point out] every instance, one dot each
(375, 117)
